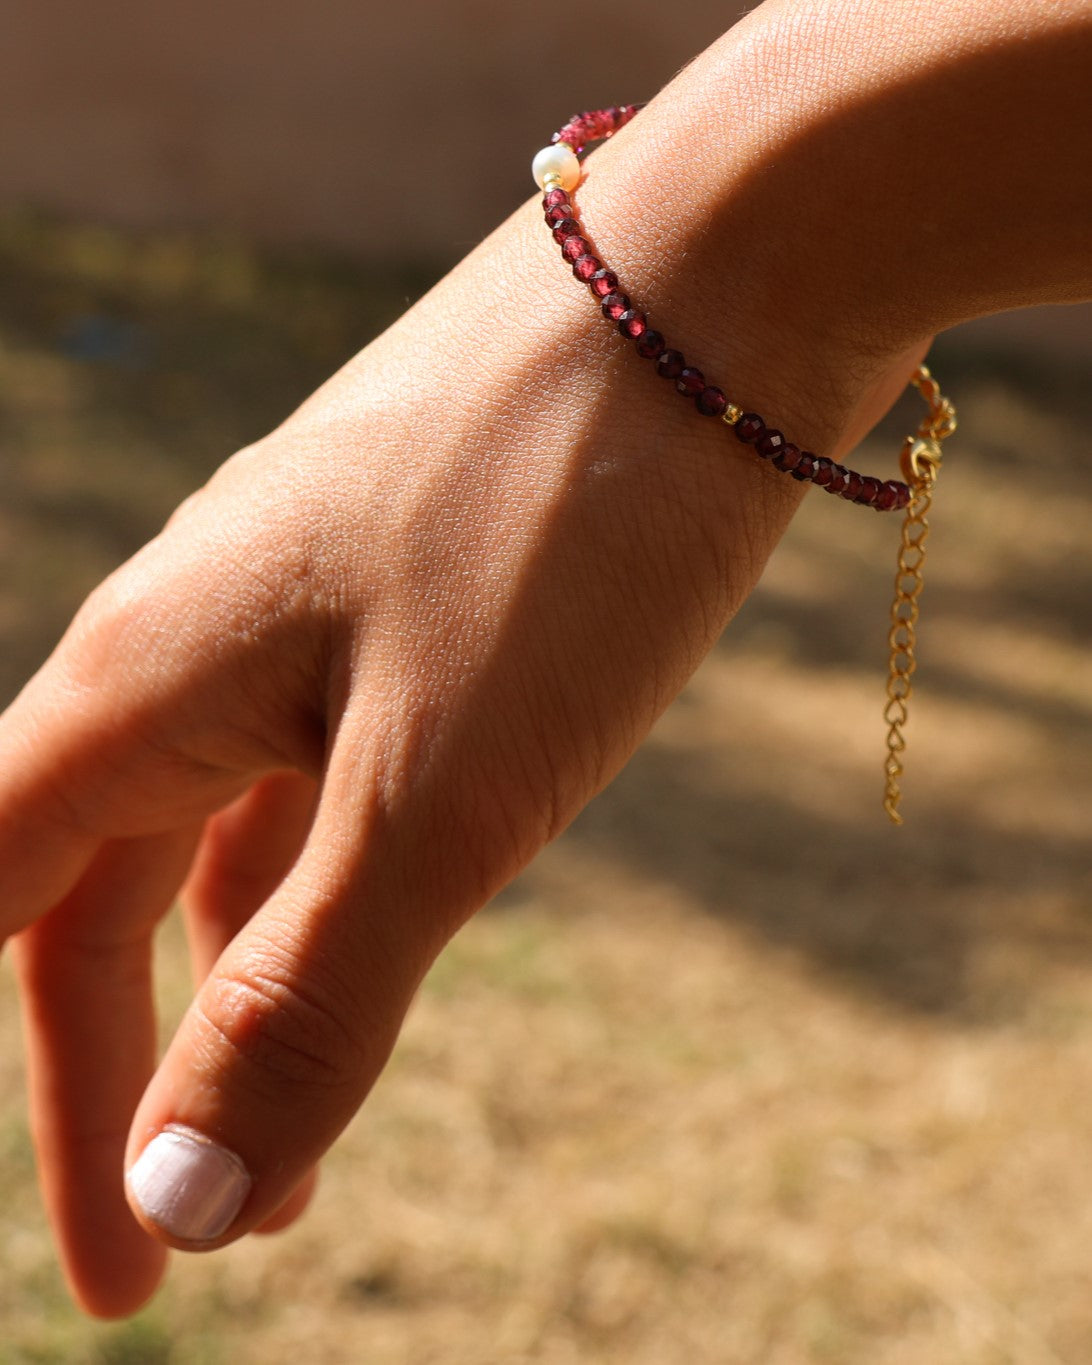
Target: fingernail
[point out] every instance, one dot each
(188, 1185)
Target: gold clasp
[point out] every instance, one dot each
(920, 460)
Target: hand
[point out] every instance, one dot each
(352, 688)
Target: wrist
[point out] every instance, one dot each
(822, 387)
(832, 178)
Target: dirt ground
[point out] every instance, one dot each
(735, 1074)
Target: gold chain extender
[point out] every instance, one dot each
(921, 461)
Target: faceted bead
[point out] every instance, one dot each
(839, 479)
(870, 491)
(690, 381)
(554, 197)
(788, 457)
(804, 467)
(711, 402)
(824, 470)
(572, 247)
(749, 427)
(565, 228)
(584, 267)
(632, 324)
(670, 364)
(614, 305)
(556, 212)
(853, 485)
(770, 443)
(902, 499)
(603, 282)
(888, 496)
(650, 345)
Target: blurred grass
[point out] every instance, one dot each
(130, 367)
(734, 1073)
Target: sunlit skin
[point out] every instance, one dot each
(392, 649)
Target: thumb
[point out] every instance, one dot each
(284, 1039)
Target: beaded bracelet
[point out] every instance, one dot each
(557, 172)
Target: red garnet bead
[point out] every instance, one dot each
(670, 364)
(770, 443)
(853, 485)
(650, 345)
(603, 282)
(573, 247)
(888, 496)
(557, 212)
(567, 227)
(552, 197)
(839, 479)
(690, 381)
(632, 324)
(870, 491)
(902, 499)
(749, 427)
(711, 402)
(591, 124)
(788, 457)
(805, 466)
(824, 471)
(584, 267)
(614, 305)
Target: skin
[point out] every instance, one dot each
(392, 649)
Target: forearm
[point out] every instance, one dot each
(884, 169)
(828, 185)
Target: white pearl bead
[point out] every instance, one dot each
(560, 159)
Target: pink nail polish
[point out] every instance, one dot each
(188, 1185)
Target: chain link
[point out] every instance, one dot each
(921, 459)
(940, 421)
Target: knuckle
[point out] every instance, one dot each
(119, 617)
(186, 508)
(283, 1032)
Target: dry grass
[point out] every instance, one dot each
(734, 1075)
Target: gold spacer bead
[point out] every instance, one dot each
(551, 182)
(731, 415)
